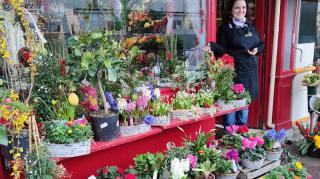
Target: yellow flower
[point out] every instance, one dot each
(6, 54)
(317, 138)
(317, 143)
(69, 131)
(298, 165)
(14, 95)
(158, 39)
(54, 102)
(73, 99)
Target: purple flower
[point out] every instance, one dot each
(193, 160)
(271, 135)
(151, 88)
(148, 119)
(280, 135)
(131, 107)
(142, 102)
(112, 102)
(233, 129)
(233, 155)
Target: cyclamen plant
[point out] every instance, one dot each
(272, 139)
(252, 148)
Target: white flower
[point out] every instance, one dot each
(157, 93)
(276, 145)
(177, 168)
(234, 166)
(92, 177)
(122, 104)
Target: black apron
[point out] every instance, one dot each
(246, 65)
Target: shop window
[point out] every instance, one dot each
(288, 35)
(309, 25)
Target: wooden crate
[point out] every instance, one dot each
(254, 173)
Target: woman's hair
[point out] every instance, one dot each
(227, 17)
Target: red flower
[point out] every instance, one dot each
(169, 56)
(130, 176)
(291, 169)
(69, 123)
(120, 170)
(227, 59)
(206, 105)
(105, 171)
(243, 129)
(319, 124)
(26, 56)
(63, 64)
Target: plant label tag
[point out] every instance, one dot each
(103, 125)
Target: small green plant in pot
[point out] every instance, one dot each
(227, 168)
(149, 165)
(182, 105)
(160, 111)
(205, 99)
(94, 57)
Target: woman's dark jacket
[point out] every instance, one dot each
(236, 41)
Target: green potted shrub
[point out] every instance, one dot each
(206, 168)
(149, 165)
(160, 111)
(94, 57)
(226, 169)
(182, 106)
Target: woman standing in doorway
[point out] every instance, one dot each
(240, 39)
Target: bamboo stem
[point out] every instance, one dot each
(104, 100)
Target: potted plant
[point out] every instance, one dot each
(252, 154)
(205, 99)
(310, 144)
(115, 172)
(182, 105)
(226, 169)
(233, 138)
(272, 144)
(206, 168)
(14, 117)
(94, 57)
(293, 169)
(311, 80)
(179, 168)
(160, 111)
(149, 165)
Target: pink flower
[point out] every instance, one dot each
(248, 144)
(131, 107)
(238, 88)
(81, 121)
(142, 102)
(258, 140)
(90, 101)
(233, 129)
(130, 176)
(193, 160)
(232, 155)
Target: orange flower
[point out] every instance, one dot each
(201, 152)
(296, 177)
(291, 170)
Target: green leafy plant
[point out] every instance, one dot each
(224, 81)
(312, 79)
(159, 108)
(206, 168)
(183, 100)
(254, 154)
(230, 140)
(294, 169)
(39, 165)
(94, 57)
(68, 132)
(176, 152)
(147, 164)
(204, 99)
(225, 166)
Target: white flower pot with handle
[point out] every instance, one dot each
(246, 163)
(273, 156)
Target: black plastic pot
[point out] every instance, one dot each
(313, 151)
(21, 142)
(105, 128)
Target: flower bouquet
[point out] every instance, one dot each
(272, 144)
(252, 154)
(310, 144)
(182, 106)
(205, 99)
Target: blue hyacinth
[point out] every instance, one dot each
(112, 102)
(148, 119)
(272, 134)
(280, 135)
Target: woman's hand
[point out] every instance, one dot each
(253, 51)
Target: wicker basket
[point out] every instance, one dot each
(226, 176)
(161, 120)
(208, 111)
(273, 156)
(69, 150)
(134, 129)
(184, 114)
(252, 164)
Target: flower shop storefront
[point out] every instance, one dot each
(87, 84)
